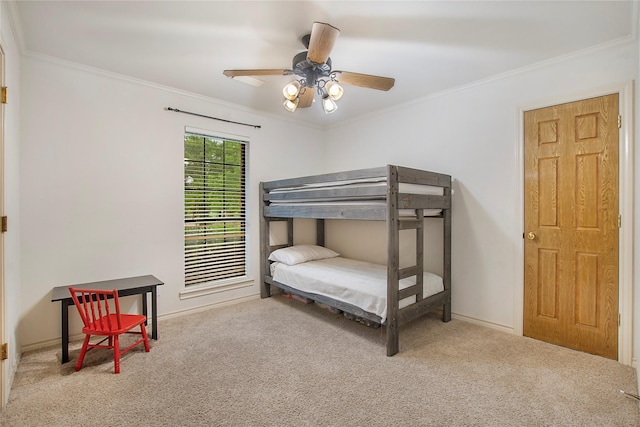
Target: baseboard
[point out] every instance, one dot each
(206, 307)
(47, 344)
(484, 323)
(8, 384)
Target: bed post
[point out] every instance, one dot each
(265, 288)
(420, 254)
(320, 232)
(446, 309)
(289, 231)
(393, 262)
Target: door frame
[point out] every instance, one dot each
(5, 373)
(625, 199)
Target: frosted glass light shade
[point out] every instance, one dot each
(291, 105)
(291, 90)
(329, 105)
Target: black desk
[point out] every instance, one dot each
(140, 285)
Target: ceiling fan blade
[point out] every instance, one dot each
(306, 98)
(323, 37)
(263, 72)
(365, 80)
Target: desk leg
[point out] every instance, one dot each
(154, 312)
(144, 305)
(65, 331)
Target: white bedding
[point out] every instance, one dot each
(359, 283)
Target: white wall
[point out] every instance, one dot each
(474, 135)
(11, 187)
(102, 184)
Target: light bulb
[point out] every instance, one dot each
(291, 90)
(334, 90)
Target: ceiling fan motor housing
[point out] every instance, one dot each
(309, 70)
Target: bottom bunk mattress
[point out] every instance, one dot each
(362, 284)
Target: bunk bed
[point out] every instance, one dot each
(402, 198)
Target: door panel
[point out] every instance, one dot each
(571, 225)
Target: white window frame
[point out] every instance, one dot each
(225, 284)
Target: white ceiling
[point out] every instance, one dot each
(427, 46)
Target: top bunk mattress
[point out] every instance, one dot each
(358, 283)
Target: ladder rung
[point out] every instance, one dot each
(407, 292)
(410, 224)
(403, 273)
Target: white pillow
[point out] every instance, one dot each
(293, 255)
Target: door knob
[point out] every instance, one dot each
(531, 235)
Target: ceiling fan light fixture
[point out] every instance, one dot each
(313, 73)
(291, 90)
(291, 105)
(328, 104)
(334, 90)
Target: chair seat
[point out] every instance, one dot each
(127, 321)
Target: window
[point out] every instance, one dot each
(214, 209)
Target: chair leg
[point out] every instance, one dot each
(116, 354)
(83, 351)
(144, 337)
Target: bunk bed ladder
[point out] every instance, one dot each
(416, 224)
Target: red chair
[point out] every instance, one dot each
(101, 319)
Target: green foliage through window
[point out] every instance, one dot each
(214, 209)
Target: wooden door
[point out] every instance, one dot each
(571, 225)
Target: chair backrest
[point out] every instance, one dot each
(95, 310)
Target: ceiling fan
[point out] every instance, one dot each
(314, 72)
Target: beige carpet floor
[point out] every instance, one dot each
(278, 362)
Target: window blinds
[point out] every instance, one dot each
(215, 208)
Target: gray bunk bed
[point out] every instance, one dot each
(391, 194)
